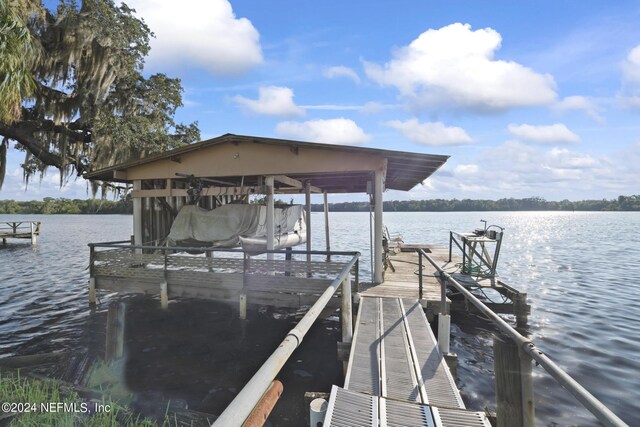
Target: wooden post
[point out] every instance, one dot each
(377, 228)
(307, 208)
(444, 332)
(514, 385)
(346, 310)
(137, 216)
(164, 294)
(243, 306)
(114, 347)
(33, 234)
(92, 291)
(326, 225)
(269, 181)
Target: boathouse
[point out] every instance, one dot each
(230, 168)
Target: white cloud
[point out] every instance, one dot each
(201, 33)
(342, 71)
(455, 66)
(580, 103)
(431, 133)
(331, 131)
(631, 66)
(629, 96)
(272, 101)
(557, 133)
(467, 170)
(515, 169)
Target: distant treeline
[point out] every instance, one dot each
(49, 205)
(124, 205)
(622, 203)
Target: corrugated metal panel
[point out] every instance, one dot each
(363, 374)
(351, 409)
(440, 386)
(400, 414)
(459, 418)
(399, 374)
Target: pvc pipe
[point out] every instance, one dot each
(346, 310)
(164, 295)
(317, 412)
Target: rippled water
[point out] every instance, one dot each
(580, 271)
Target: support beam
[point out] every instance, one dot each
(295, 183)
(377, 227)
(137, 216)
(270, 216)
(326, 226)
(307, 207)
(207, 191)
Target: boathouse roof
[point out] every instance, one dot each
(240, 160)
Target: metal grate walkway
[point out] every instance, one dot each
(397, 375)
(352, 409)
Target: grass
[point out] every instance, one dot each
(20, 389)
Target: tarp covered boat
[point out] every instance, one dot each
(235, 225)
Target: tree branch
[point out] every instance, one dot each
(24, 136)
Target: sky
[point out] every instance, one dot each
(529, 98)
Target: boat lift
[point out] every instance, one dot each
(476, 257)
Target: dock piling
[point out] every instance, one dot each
(514, 385)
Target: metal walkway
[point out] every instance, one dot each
(397, 375)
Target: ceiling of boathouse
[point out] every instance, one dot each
(241, 161)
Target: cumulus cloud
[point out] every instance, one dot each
(631, 66)
(431, 133)
(272, 101)
(455, 66)
(515, 169)
(342, 71)
(580, 103)
(339, 131)
(629, 97)
(557, 133)
(201, 33)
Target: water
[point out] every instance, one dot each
(580, 271)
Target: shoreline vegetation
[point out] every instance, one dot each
(124, 205)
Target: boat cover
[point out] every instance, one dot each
(224, 226)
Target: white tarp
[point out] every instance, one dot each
(223, 226)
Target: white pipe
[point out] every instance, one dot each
(377, 227)
(317, 412)
(346, 310)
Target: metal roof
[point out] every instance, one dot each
(405, 170)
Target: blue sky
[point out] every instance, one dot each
(530, 98)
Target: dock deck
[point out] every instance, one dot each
(401, 281)
(396, 375)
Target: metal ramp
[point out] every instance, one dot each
(394, 354)
(352, 409)
(396, 374)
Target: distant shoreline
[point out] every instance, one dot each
(125, 206)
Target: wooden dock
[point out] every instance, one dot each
(402, 277)
(19, 230)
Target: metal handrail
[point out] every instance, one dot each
(122, 245)
(239, 409)
(593, 405)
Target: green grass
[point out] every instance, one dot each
(19, 389)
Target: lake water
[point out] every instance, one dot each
(580, 271)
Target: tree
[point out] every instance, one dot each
(90, 105)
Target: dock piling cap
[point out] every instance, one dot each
(318, 405)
